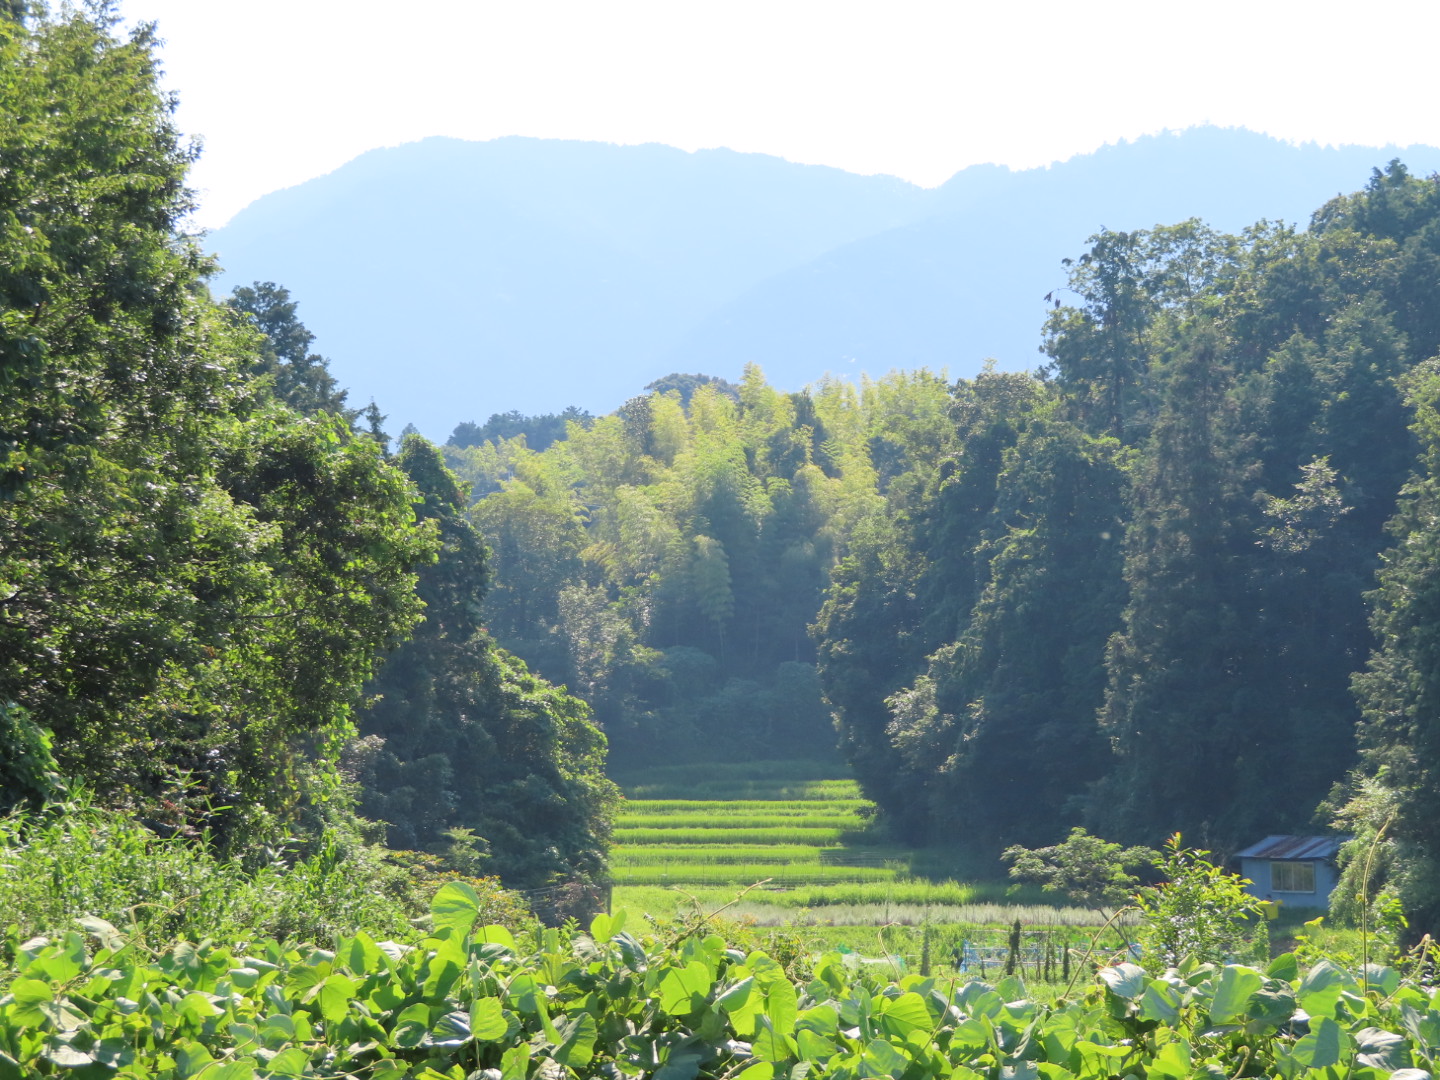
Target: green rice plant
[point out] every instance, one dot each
(636, 819)
(668, 900)
(744, 874)
(746, 807)
(810, 837)
(894, 891)
(714, 854)
(770, 906)
(975, 915)
(756, 789)
(788, 770)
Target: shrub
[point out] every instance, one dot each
(1199, 912)
(77, 859)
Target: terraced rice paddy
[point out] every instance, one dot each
(695, 837)
(786, 822)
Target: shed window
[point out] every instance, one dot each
(1292, 876)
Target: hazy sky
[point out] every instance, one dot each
(284, 90)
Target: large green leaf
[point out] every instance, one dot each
(781, 1006)
(336, 993)
(291, 1062)
(1233, 992)
(1124, 980)
(1326, 1044)
(496, 935)
(31, 991)
(771, 1045)
(487, 1019)
(577, 1032)
(67, 1056)
(362, 955)
(680, 1064)
(455, 907)
(452, 1029)
(412, 1028)
(524, 993)
(1269, 1010)
(1170, 1062)
(1382, 978)
(883, 1059)
(1381, 1049)
(812, 1046)
(191, 1058)
(1284, 967)
(822, 1020)
(1321, 988)
(109, 937)
(277, 1030)
(684, 989)
(515, 1063)
(1160, 1002)
(905, 1015)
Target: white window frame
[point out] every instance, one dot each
(1294, 866)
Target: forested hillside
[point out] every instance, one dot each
(1179, 578)
(1136, 594)
(271, 744)
(665, 561)
(1128, 591)
(204, 555)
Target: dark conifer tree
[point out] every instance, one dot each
(461, 735)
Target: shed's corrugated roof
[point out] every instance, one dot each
(1294, 847)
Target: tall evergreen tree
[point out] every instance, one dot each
(1179, 669)
(461, 735)
(1011, 734)
(1398, 803)
(301, 378)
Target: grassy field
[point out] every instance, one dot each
(790, 848)
(793, 823)
(790, 845)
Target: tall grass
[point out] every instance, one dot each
(79, 859)
(953, 893)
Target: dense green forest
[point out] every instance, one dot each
(270, 737)
(1179, 578)
(205, 556)
(1135, 596)
(665, 561)
(1131, 590)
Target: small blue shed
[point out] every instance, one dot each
(1296, 870)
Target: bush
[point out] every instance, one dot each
(76, 859)
(1199, 912)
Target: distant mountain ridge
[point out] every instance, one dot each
(450, 280)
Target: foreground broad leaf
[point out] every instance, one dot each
(455, 907)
